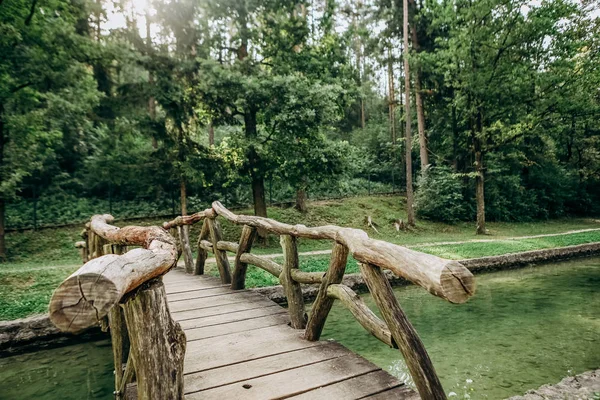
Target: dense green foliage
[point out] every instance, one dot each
(146, 111)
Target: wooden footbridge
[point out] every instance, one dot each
(178, 333)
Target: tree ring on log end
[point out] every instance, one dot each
(457, 282)
(82, 301)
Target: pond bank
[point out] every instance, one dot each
(27, 333)
(582, 386)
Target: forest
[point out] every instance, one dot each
(474, 111)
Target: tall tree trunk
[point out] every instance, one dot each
(391, 98)
(256, 171)
(3, 140)
(301, 197)
(419, 101)
(183, 194)
(410, 212)
(151, 100)
(211, 134)
(454, 137)
(480, 177)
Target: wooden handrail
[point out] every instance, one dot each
(444, 278)
(89, 293)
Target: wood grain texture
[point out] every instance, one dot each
(220, 255)
(202, 254)
(444, 278)
(362, 313)
(238, 280)
(158, 344)
(417, 360)
(293, 290)
(323, 303)
(85, 297)
(184, 239)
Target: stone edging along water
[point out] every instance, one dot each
(582, 386)
(37, 331)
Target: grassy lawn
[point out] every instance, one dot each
(39, 261)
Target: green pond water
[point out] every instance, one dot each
(523, 328)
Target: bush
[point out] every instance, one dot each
(439, 196)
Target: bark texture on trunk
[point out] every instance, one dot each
(410, 212)
(479, 191)
(420, 111)
(211, 134)
(2, 231)
(301, 200)
(183, 194)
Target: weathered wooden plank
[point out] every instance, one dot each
(200, 294)
(214, 301)
(417, 360)
(236, 326)
(242, 315)
(400, 392)
(321, 351)
(192, 286)
(209, 353)
(323, 303)
(291, 382)
(293, 290)
(238, 281)
(225, 309)
(355, 388)
(184, 239)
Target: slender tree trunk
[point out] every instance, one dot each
(183, 193)
(151, 100)
(480, 177)
(2, 231)
(454, 137)
(211, 134)
(410, 213)
(301, 197)
(3, 140)
(391, 97)
(256, 172)
(420, 112)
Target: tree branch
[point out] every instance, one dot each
(31, 13)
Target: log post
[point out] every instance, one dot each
(157, 344)
(202, 254)
(417, 360)
(323, 303)
(120, 344)
(220, 255)
(362, 313)
(184, 239)
(293, 290)
(238, 280)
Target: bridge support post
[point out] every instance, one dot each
(157, 343)
(239, 271)
(202, 254)
(323, 303)
(220, 255)
(293, 290)
(417, 360)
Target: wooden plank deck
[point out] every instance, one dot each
(239, 346)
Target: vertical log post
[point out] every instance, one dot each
(323, 303)
(157, 344)
(120, 345)
(184, 239)
(239, 271)
(220, 255)
(417, 360)
(293, 290)
(202, 254)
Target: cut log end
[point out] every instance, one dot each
(82, 301)
(457, 283)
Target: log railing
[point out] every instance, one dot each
(443, 278)
(124, 290)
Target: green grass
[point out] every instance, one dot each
(27, 290)
(483, 249)
(40, 260)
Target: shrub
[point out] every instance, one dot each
(439, 196)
